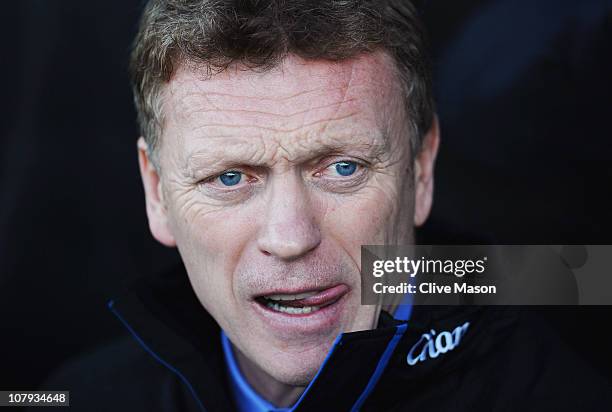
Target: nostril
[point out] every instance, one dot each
(265, 252)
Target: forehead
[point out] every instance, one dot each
(315, 101)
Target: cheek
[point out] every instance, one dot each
(370, 217)
(211, 242)
(215, 231)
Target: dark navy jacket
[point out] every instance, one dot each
(172, 360)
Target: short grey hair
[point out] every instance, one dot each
(214, 34)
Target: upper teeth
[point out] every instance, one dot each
(291, 297)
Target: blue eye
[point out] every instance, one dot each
(346, 168)
(230, 178)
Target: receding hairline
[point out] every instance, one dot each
(379, 56)
(216, 34)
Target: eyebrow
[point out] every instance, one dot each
(373, 147)
(215, 155)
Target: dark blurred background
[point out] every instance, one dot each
(523, 91)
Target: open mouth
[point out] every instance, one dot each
(303, 303)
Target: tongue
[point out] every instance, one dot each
(323, 298)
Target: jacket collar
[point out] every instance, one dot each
(163, 314)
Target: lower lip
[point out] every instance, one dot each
(325, 318)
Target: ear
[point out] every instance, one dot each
(424, 173)
(156, 209)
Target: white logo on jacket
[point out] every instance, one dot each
(433, 345)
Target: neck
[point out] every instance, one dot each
(277, 393)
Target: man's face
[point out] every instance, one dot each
(269, 183)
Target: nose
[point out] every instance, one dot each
(289, 228)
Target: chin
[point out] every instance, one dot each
(296, 368)
(291, 348)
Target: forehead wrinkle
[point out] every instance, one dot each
(185, 110)
(197, 102)
(324, 122)
(267, 113)
(198, 88)
(184, 96)
(202, 91)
